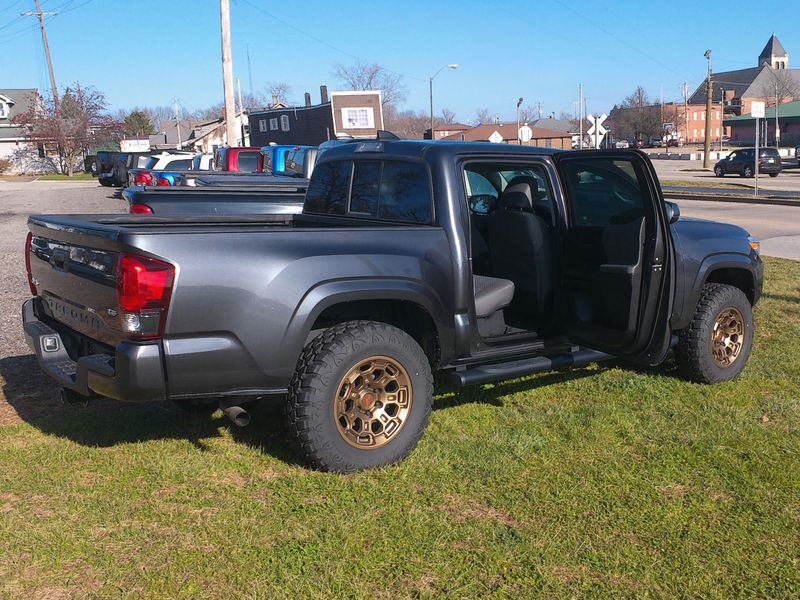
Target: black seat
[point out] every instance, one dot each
(491, 294)
(521, 247)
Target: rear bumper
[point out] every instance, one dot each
(134, 372)
(770, 168)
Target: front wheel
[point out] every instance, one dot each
(360, 397)
(748, 171)
(773, 174)
(719, 171)
(716, 344)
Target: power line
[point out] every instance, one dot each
(323, 42)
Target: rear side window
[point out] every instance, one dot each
(404, 194)
(180, 164)
(328, 189)
(150, 162)
(248, 161)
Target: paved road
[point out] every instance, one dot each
(778, 227)
(691, 170)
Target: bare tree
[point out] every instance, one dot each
(636, 117)
(80, 122)
(482, 115)
(448, 116)
(783, 85)
(406, 124)
(371, 76)
(278, 90)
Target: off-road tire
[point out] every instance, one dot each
(693, 353)
(323, 363)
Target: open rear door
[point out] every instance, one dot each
(617, 257)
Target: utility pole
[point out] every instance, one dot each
(519, 103)
(685, 94)
(227, 71)
(249, 71)
(709, 94)
(777, 129)
(580, 117)
(177, 121)
(39, 14)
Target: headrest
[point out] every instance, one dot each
(519, 194)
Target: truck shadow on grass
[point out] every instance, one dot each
(103, 423)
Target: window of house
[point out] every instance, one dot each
(694, 132)
(703, 116)
(273, 124)
(694, 117)
(262, 125)
(3, 110)
(358, 118)
(284, 122)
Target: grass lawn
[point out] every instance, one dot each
(704, 184)
(600, 482)
(63, 177)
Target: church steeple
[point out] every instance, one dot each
(774, 55)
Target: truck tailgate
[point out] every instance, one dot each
(76, 281)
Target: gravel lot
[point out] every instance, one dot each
(26, 393)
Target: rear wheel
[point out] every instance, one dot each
(773, 174)
(719, 171)
(360, 397)
(716, 344)
(105, 181)
(748, 171)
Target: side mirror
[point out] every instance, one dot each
(673, 211)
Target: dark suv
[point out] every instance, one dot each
(742, 162)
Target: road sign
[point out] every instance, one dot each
(597, 132)
(757, 110)
(496, 138)
(525, 134)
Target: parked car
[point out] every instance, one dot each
(673, 143)
(201, 163)
(742, 162)
(159, 162)
(637, 143)
(797, 152)
(103, 167)
(346, 310)
(656, 142)
(245, 159)
(300, 161)
(622, 144)
(216, 200)
(274, 158)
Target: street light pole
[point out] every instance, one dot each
(519, 141)
(430, 89)
(709, 94)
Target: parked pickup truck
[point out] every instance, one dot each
(246, 159)
(481, 262)
(275, 199)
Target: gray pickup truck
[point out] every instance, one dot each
(480, 262)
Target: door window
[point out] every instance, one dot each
(604, 192)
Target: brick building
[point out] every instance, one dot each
(507, 133)
(355, 114)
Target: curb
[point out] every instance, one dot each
(733, 199)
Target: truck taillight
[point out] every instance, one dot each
(28, 245)
(143, 178)
(140, 209)
(144, 288)
(162, 181)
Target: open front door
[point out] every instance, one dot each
(617, 259)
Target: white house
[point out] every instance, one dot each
(13, 102)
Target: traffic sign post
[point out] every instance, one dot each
(597, 131)
(757, 109)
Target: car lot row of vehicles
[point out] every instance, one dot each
(178, 167)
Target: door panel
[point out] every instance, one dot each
(616, 252)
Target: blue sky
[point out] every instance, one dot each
(144, 52)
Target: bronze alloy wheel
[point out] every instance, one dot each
(373, 402)
(727, 337)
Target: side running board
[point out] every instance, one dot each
(520, 368)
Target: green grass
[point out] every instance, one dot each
(704, 184)
(64, 177)
(601, 482)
